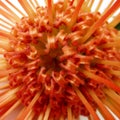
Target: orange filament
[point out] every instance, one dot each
(61, 61)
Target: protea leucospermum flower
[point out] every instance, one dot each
(59, 61)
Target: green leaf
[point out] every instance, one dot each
(117, 26)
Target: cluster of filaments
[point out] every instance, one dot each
(59, 73)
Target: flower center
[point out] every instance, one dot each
(52, 55)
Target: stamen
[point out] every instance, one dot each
(113, 95)
(101, 21)
(32, 3)
(108, 6)
(5, 45)
(27, 8)
(90, 5)
(6, 34)
(28, 115)
(36, 2)
(86, 103)
(47, 113)
(115, 44)
(7, 100)
(108, 62)
(7, 95)
(10, 109)
(75, 14)
(113, 103)
(6, 107)
(31, 116)
(105, 112)
(15, 8)
(90, 117)
(6, 27)
(27, 110)
(69, 111)
(4, 79)
(8, 16)
(85, 6)
(117, 80)
(11, 12)
(6, 72)
(98, 6)
(6, 86)
(40, 116)
(21, 112)
(115, 21)
(45, 48)
(61, 118)
(115, 72)
(50, 11)
(2, 51)
(3, 73)
(111, 107)
(3, 65)
(65, 4)
(8, 23)
(99, 79)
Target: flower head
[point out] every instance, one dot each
(59, 61)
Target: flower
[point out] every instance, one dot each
(59, 61)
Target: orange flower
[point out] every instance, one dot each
(59, 61)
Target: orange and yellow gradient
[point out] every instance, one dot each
(59, 61)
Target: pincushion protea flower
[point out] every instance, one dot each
(59, 61)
